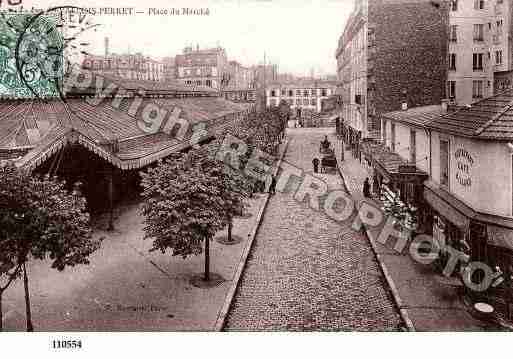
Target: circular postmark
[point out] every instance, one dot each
(46, 45)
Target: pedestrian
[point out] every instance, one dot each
(366, 188)
(272, 187)
(315, 163)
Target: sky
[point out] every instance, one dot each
(298, 35)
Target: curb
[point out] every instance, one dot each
(221, 317)
(391, 284)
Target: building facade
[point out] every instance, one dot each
(130, 67)
(308, 97)
(203, 67)
(473, 36)
(391, 54)
(169, 68)
(153, 70)
(240, 77)
(464, 200)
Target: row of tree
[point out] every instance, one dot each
(187, 199)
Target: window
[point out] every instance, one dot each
(284, 92)
(478, 32)
(453, 33)
(314, 92)
(413, 145)
(499, 26)
(273, 93)
(498, 57)
(477, 89)
(298, 93)
(451, 89)
(324, 92)
(312, 102)
(479, 4)
(444, 163)
(291, 93)
(392, 137)
(454, 5)
(209, 83)
(477, 62)
(452, 62)
(306, 93)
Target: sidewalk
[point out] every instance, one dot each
(128, 288)
(426, 299)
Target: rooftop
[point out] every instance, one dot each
(489, 119)
(417, 116)
(32, 130)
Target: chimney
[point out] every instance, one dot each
(106, 46)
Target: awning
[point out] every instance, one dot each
(446, 210)
(500, 237)
(390, 165)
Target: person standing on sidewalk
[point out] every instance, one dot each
(366, 188)
(315, 163)
(272, 187)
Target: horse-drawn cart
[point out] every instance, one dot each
(329, 161)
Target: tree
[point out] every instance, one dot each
(187, 199)
(41, 219)
(9, 271)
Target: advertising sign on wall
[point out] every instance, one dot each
(464, 164)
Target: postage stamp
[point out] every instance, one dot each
(31, 56)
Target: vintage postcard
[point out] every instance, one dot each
(255, 166)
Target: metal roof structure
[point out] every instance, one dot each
(32, 130)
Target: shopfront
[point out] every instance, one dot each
(394, 178)
(485, 238)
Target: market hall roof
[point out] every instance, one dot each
(488, 119)
(31, 131)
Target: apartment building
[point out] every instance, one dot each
(240, 77)
(307, 96)
(391, 54)
(203, 67)
(126, 66)
(471, 58)
(169, 68)
(480, 49)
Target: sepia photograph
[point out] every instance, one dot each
(271, 169)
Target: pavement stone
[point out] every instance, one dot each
(306, 272)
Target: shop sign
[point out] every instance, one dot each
(464, 164)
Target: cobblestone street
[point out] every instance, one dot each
(307, 272)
